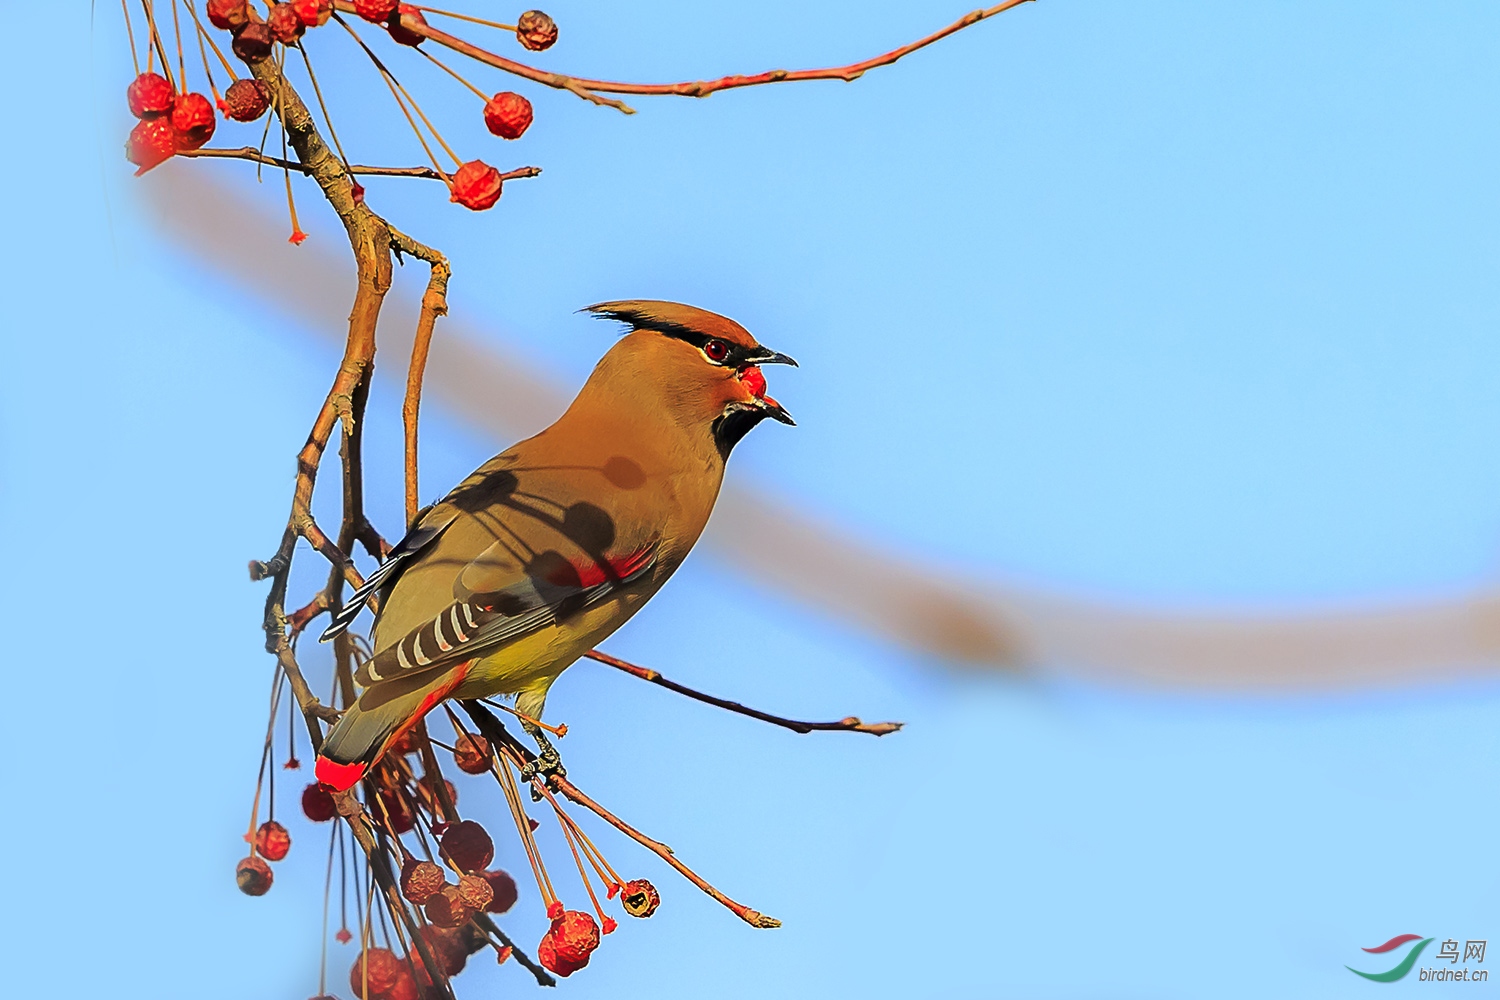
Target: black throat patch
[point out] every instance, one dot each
(737, 420)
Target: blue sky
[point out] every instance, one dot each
(1181, 304)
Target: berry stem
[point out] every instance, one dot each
(203, 36)
(558, 731)
(177, 35)
(385, 75)
(159, 48)
(466, 17)
(135, 60)
(454, 73)
(318, 92)
(588, 883)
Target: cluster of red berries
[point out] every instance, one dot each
(169, 122)
(378, 974)
(271, 842)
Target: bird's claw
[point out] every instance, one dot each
(546, 765)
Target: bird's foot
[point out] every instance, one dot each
(548, 762)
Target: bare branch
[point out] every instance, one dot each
(847, 725)
(256, 156)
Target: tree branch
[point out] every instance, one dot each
(847, 725)
(256, 156)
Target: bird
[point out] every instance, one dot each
(553, 544)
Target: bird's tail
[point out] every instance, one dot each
(382, 713)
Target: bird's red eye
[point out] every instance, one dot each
(716, 350)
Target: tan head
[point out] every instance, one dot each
(702, 367)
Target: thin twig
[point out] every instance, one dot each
(492, 729)
(255, 156)
(847, 725)
(592, 89)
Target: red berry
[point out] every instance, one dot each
(640, 898)
(378, 11)
(404, 988)
(286, 27)
(507, 115)
(149, 95)
(472, 754)
(317, 803)
(193, 120)
(410, 741)
(536, 30)
(253, 42)
(151, 144)
(567, 945)
(395, 806)
(476, 185)
(253, 876)
(272, 841)
(313, 13)
(447, 947)
(474, 892)
(446, 907)
(468, 846)
(377, 966)
(424, 793)
(504, 891)
(400, 33)
(231, 14)
(420, 879)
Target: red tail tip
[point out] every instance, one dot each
(339, 777)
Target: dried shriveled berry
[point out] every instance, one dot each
(472, 754)
(272, 841)
(640, 898)
(230, 14)
(447, 947)
(151, 144)
(313, 13)
(503, 891)
(536, 30)
(569, 942)
(317, 803)
(378, 967)
(378, 11)
(507, 114)
(468, 846)
(420, 879)
(424, 793)
(410, 741)
(286, 27)
(253, 42)
(476, 185)
(404, 988)
(446, 908)
(194, 122)
(474, 892)
(253, 876)
(150, 95)
(400, 33)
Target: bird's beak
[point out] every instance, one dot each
(766, 356)
(775, 410)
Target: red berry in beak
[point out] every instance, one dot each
(507, 115)
(399, 33)
(503, 891)
(317, 804)
(246, 100)
(755, 381)
(230, 14)
(272, 841)
(253, 876)
(377, 966)
(149, 95)
(313, 13)
(286, 26)
(536, 31)
(640, 898)
(468, 846)
(193, 120)
(151, 144)
(378, 11)
(253, 42)
(476, 185)
(567, 945)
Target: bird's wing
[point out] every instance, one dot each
(551, 591)
(417, 539)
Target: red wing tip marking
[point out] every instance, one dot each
(339, 777)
